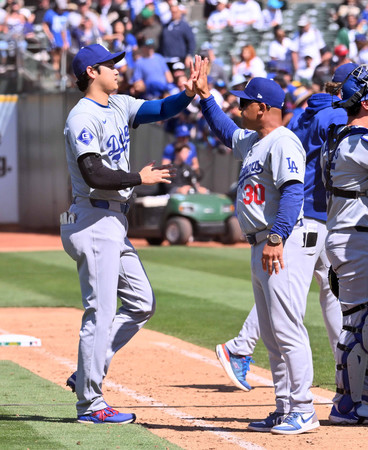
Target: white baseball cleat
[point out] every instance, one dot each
(296, 423)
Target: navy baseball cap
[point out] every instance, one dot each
(263, 90)
(343, 71)
(91, 55)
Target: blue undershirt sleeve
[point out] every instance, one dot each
(291, 202)
(219, 122)
(156, 110)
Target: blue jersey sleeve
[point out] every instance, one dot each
(219, 122)
(157, 110)
(291, 202)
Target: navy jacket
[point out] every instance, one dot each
(311, 128)
(177, 40)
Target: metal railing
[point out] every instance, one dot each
(26, 66)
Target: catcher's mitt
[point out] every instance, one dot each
(333, 282)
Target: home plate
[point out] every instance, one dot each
(20, 340)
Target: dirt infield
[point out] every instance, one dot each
(178, 390)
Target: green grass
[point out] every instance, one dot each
(46, 419)
(203, 295)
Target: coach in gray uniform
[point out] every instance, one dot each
(94, 230)
(269, 206)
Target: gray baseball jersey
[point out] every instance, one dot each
(108, 265)
(267, 164)
(93, 128)
(349, 171)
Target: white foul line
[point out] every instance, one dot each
(176, 412)
(183, 416)
(166, 408)
(250, 376)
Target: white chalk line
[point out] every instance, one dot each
(250, 376)
(152, 402)
(183, 416)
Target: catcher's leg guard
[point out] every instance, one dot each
(354, 368)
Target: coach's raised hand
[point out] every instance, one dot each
(201, 84)
(194, 72)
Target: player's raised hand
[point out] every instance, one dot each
(194, 72)
(151, 174)
(201, 84)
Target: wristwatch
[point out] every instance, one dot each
(274, 239)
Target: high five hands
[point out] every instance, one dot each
(197, 82)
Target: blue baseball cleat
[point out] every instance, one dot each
(107, 415)
(267, 424)
(71, 381)
(235, 366)
(296, 423)
(351, 418)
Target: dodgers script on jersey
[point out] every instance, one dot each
(268, 163)
(94, 128)
(348, 212)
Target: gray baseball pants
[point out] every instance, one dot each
(108, 268)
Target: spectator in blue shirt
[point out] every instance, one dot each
(122, 41)
(182, 136)
(151, 77)
(55, 27)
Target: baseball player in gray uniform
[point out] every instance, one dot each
(345, 170)
(269, 205)
(311, 128)
(94, 230)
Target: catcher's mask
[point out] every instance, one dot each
(354, 88)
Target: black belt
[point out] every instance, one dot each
(360, 228)
(113, 206)
(355, 309)
(251, 238)
(256, 238)
(348, 194)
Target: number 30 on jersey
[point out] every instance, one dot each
(254, 194)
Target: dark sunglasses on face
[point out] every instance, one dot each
(244, 103)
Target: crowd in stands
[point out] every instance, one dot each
(160, 44)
